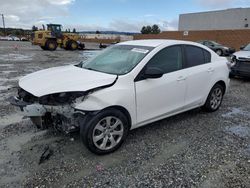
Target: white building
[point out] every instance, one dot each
(230, 19)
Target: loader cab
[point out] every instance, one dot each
(56, 30)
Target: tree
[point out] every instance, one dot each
(150, 30)
(74, 30)
(143, 30)
(97, 32)
(155, 29)
(146, 29)
(34, 28)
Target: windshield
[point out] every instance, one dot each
(247, 48)
(118, 59)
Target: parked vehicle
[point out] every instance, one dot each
(24, 39)
(241, 63)
(7, 38)
(14, 38)
(218, 48)
(126, 86)
(53, 37)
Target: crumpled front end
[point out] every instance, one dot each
(240, 67)
(56, 110)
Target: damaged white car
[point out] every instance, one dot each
(126, 86)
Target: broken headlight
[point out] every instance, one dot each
(60, 98)
(26, 96)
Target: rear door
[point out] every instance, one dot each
(200, 73)
(158, 97)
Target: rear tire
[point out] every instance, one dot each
(51, 45)
(105, 132)
(214, 98)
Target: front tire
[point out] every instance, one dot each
(219, 52)
(105, 132)
(51, 45)
(231, 75)
(214, 99)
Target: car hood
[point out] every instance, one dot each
(64, 79)
(242, 54)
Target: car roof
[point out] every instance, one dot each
(156, 42)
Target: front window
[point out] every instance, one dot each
(118, 60)
(168, 60)
(247, 48)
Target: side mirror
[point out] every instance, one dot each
(212, 45)
(153, 73)
(242, 47)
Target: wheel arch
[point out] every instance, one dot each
(123, 110)
(223, 84)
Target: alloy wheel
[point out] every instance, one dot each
(219, 52)
(108, 132)
(216, 98)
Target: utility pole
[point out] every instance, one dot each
(3, 25)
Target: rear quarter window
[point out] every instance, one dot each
(196, 56)
(207, 56)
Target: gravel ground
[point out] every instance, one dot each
(193, 149)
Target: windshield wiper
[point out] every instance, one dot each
(89, 68)
(79, 64)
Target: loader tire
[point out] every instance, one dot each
(72, 45)
(51, 45)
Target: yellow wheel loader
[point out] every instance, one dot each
(53, 37)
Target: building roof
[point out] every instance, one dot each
(217, 11)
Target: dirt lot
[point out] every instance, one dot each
(193, 149)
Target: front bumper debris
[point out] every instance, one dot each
(17, 102)
(28, 109)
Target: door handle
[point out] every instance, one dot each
(181, 78)
(210, 69)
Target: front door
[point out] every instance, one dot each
(159, 97)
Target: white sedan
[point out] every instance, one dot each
(128, 85)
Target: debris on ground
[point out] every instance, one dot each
(45, 155)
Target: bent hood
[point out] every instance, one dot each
(64, 79)
(243, 54)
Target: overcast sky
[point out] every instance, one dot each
(119, 15)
